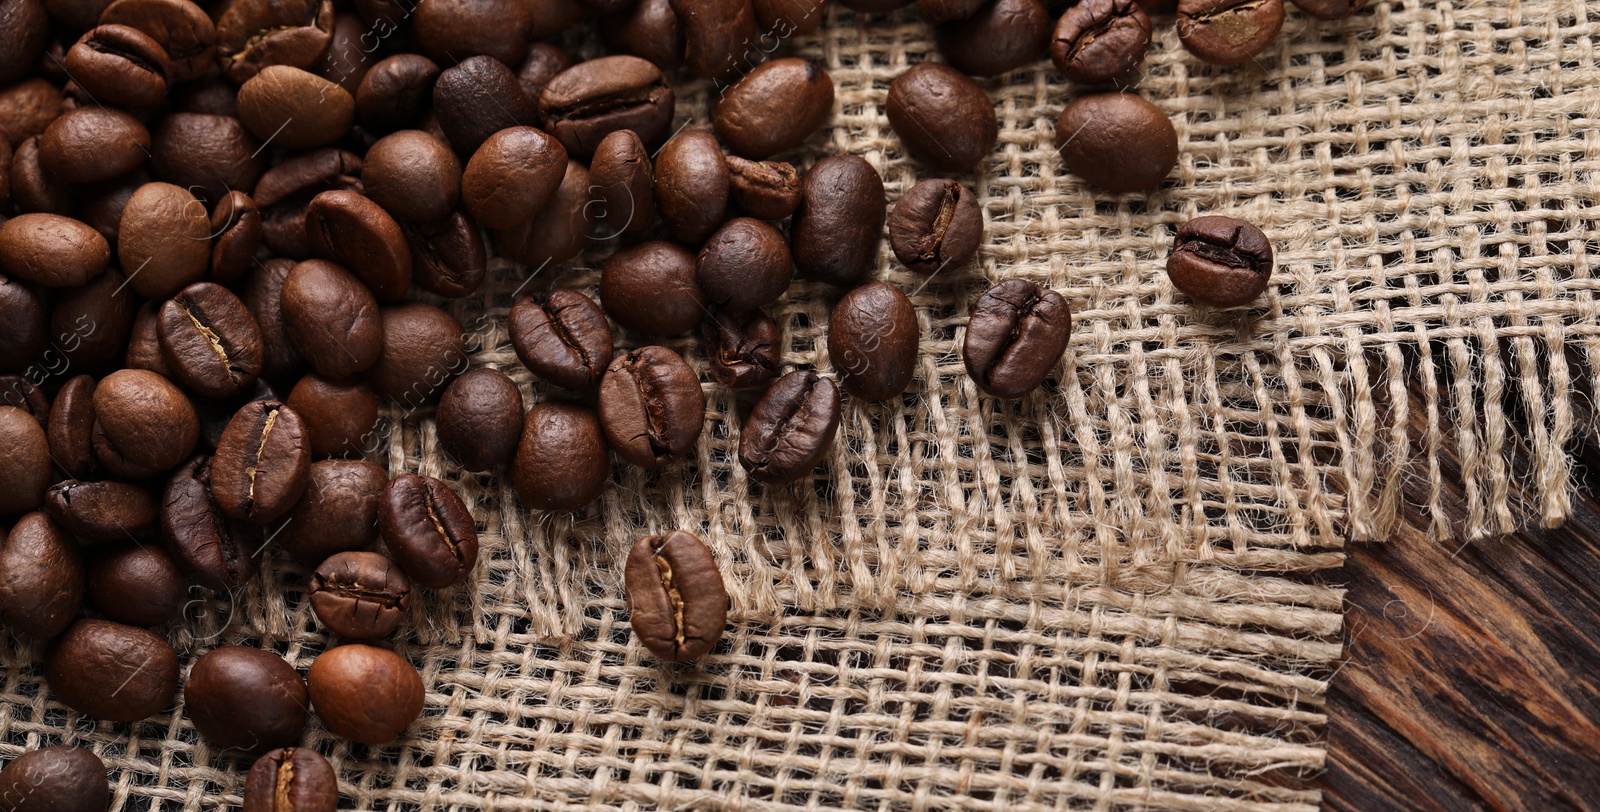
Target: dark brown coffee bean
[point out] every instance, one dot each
(540, 64)
(101, 204)
(26, 109)
(164, 240)
(452, 30)
(210, 340)
(36, 190)
(624, 184)
(562, 462)
(1228, 32)
(649, 30)
(364, 693)
(41, 576)
(836, 230)
(143, 424)
(395, 91)
(477, 98)
(414, 176)
(350, 229)
(741, 348)
(744, 265)
(219, 553)
(55, 779)
(791, 428)
(144, 342)
(295, 109)
(692, 186)
(112, 672)
(285, 193)
(788, 18)
(209, 155)
(562, 337)
(944, 11)
(559, 231)
(119, 65)
(348, 56)
(651, 288)
(236, 234)
(137, 584)
(1330, 9)
(180, 27)
(102, 511)
(331, 318)
(592, 99)
(718, 36)
(480, 419)
(338, 512)
(339, 416)
(262, 293)
(254, 35)
(1117, 141)
(243, 698)
(677, 603)
(91, 323)
(51, 250)
(360, 595)
(19, 392)
(1016, 332)
(1002, 36)
(774, 108)
(449, 260)
(1220, 261)
(872, 341)
(651, 407)
(936, 225)
(293, 779)
(428, 530)
(216, 414)
(22, 325)
(944, 119)
(262, 464)
(93, 143)
(512, 176)
(27, 27)
(551, 17)
(70, 429)
(1101, 41)
(769, 190)
(424, 349)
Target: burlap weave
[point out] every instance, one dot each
(1094, 598)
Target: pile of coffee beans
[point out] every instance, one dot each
(226, 231)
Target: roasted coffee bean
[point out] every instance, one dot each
(339, 416)
(26, 108)
(651, 288)
(562, 462)
(41, 576)
(1117, 141)
(769, 190)
(744, 265)
(1220, 261)
(449, 260)
(236, 234)
(428, 531)
(1002, 36)
(677, 603)
(791, 428)
(90, 324)
(624, 184)
(210, 340)
(35, 189)
(286, 191)
(942, 117)
(360, 595)
(561, 228)
(70, 430)
(27, 34)
(364, 693)
(215, 415)
(452, 30)
(511, 177)
(255, 35)
(872, 341)
(395, 91)
(19, 392)
(55, 779)
(424, 349)
(346, 61)
(1330, 9)
(180, 27)
(243, 698)
(102, 511)
(477, 98)
(592, 99)
(692, 186)
(1016, 332)
(774, 108)
(120, 65)
(338, 512)
(1101, 41)
(22, 325)
(293, 779)
(480, 419)
(541, 64)
(262, 464)
(350, 229)
(111, 672)
(209, 155)
(936, 225)
(1228, 32)
(551, 17)
(414, 176)
(262, 293)
(944, 11)
(219, 553)
(331, 318)
(835, 233)
(562, 337)
(137, 584)
(649, 30)
(741, 348)
(788, 18)
(294, 108)
(718, 36)
(100, 205)
(651, 406)
(93, 143)
(51, 250)
(164, 240)
(143, 424)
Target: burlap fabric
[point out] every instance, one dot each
(1094, 598)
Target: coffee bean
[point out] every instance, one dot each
(944, 11)
(26, 108)
(677, 603)
(774, 108)
(295, 109)
(424, 349)
(180, 27)
(339, 416)
(692, 185)
(1016, 332)
(102, 511)
(55, 779)
(331, 318)
(120, 65)
(292, 779)
(1117, 141)
(254, 36)
(36, 190)
(164, 240)
(262, 293)
(209, 155)
(262, 464)
(944, 119)
(788, 18)
(236, 234)
(718, 36)
(360, 595)
(100, 205)
(449, 260)
(1228, 32)
(562, 337)
(586, 102)
(561, 228)
(540, 64)
(1101, 41)
(624, 184)
(210, 340)
(1330, 9)
(285, 193)
(143, 424)
(346, 61)
(562, 462)
(768, 190)
(1220, 261)
(428, 530)
(364, 693)
(218, 552)
(41, 577)
(480, 419)
(338, 512)
(936, 225)
(452, 30)
(243, 698)
(70, 429)
(93, 143)
(477, 98)
(836, 230)
(1002, 36)
(111, 672)
(651, 406)
(137, 584)
(414, 176)
(22, 324)
(216, 414)
(395, 91)
(512, 176)
(651, 288)
(742, 349)
(744, 265)
(791, 428)
(91, 323)
(27, 33)
(649, 30)
(872, 341)
(51, 250)
(551, 17)
(348, 228)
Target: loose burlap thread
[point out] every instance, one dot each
(1102, 596)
